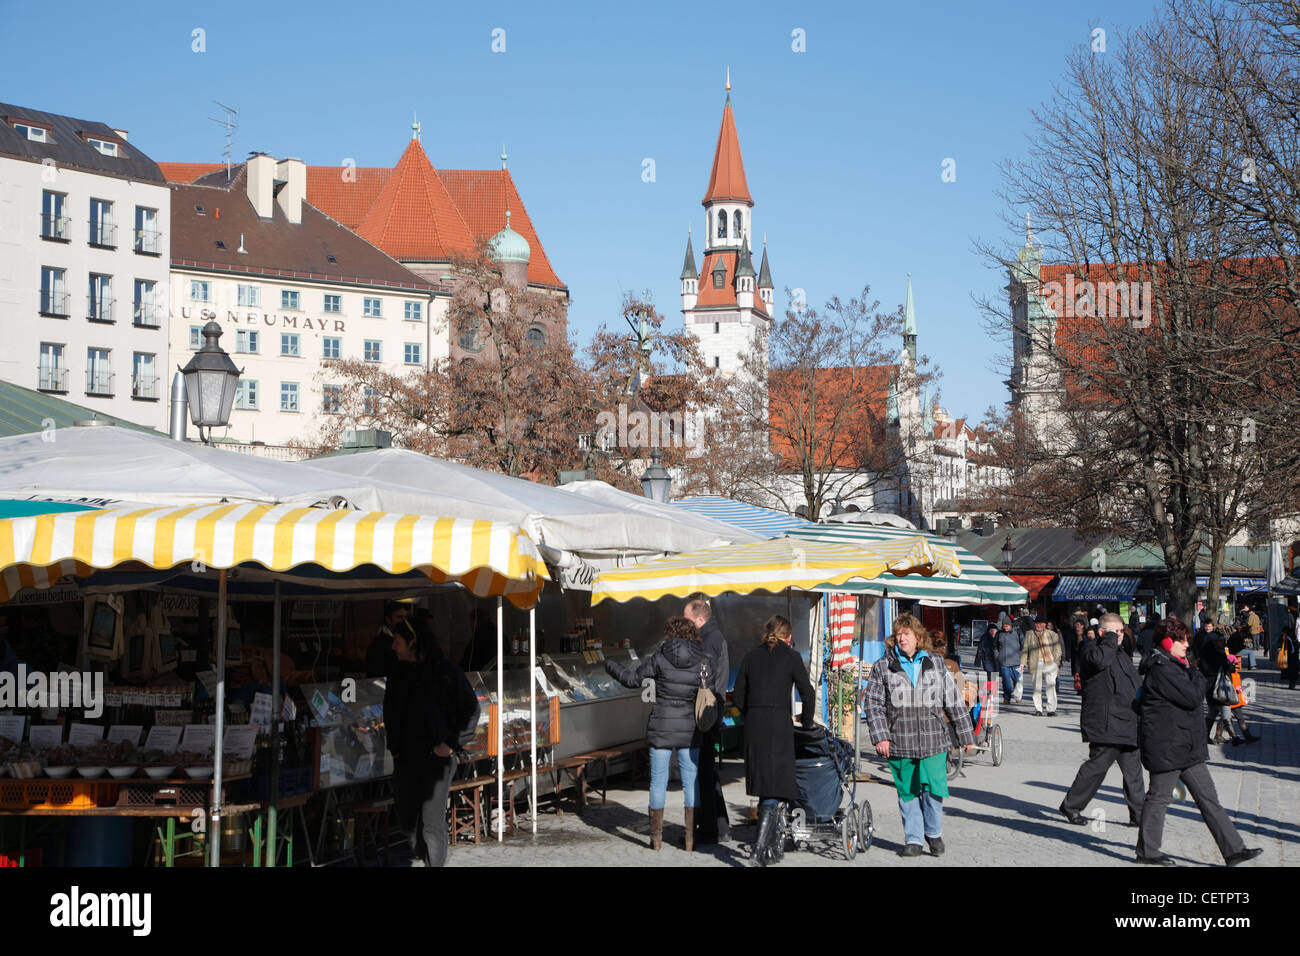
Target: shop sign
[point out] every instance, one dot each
(179, 605)
(59, 594)
(266, 319)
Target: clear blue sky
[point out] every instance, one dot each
(843, 143)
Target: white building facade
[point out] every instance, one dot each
(84, 264)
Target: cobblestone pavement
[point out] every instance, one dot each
(1002, 816)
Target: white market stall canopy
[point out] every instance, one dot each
(488, 558)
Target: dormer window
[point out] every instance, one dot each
(37, 134)
(719, 275)
(103, 146)
(722, 224)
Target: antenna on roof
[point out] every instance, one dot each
(230, 125)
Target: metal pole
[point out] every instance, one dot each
(501, 722)
(177, 422)
(214, 821)
(275, 731)
(532, 703)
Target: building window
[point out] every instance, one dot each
(53, 374)
(719, 275)
(370, 402)
(717, 361)
(36, 134)
(99, 372)
(246, 394)
(333, 303)
(372, 307)
(469, 337)
(246, 340)
(102, 230)
(289, 299)
(722, 224)
(536, 337)
(146, 231)
(288, 396)
(54, 292)
(736, 230)
(103, 146)
(144, 311)
(331, 347)
(332, 399)
(54, 219)
(289, 343)
(372, 350)
(249, 295)
(99, 300)
(414, 311)
(144, 381)
(411, 353)
(200, 290)
(196, 337)
(717, 327)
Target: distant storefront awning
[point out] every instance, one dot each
(1095, 587)
(1033, 583)
(1237, 584)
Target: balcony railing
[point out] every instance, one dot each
(99, 382)
(103, 234)
(51, 378)
(144, 386)
(147, 315)
(100, 309)
(54, 303)
(55, 227)
(148, 242)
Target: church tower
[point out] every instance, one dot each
(726, 305)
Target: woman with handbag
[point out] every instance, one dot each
(672, 676)
(762, 692)
(1223, 695)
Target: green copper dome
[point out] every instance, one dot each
(508, 246)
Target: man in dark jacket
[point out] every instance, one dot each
(1108, 722)
(429, 710)
(1010, 643)
(379, 655)
(711, 823)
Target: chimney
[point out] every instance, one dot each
(261, 184)
(293, 174)
(121, 133)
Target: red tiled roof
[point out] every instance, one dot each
(860, 429)
(952, 428)
(727, 180)
(345, 193)
(413, 218)
(725, 297)
(483, 196)
(188, 172)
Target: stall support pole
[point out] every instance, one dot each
(274, 797)
(501, 722)
(214, 819)
(532, 703)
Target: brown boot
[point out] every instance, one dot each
(690, 829)
(656, 829)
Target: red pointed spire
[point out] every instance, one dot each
(727, 181)
(413, 217)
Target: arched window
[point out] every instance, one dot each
(469, 336)
(722, 224)
(536, 337)
(737, 230)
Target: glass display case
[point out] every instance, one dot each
(516, 713)
(580, 677)
(351, 743)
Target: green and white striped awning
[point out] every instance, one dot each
(978, 583)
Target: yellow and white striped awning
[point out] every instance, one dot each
(773, 566)
(487, 557)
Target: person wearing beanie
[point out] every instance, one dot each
(1173, 745)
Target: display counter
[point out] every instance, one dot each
(348, 741)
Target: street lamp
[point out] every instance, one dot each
(1008, 553)
(210, 379)
(656, 482)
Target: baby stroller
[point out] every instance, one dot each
(826, 774)
(988, 735)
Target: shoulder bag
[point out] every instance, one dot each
(706, 702)
(1224, 691)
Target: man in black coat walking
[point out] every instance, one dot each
(711, 823)
(1109, 722)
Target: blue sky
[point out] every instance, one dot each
(843, 143)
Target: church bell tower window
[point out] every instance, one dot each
(722, 224)
(736, 231)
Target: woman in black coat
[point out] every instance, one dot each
(672, 676)
(762, 693)
(1173, 742)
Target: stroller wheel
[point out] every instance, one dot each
(849, 832)
(866, 827)
(995, 745)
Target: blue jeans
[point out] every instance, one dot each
(688, 759)
(1009, 679)
(922, 817)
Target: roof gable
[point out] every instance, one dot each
(413, 217)
(727, 179)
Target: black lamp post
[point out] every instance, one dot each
(656, 482)
(1008, 553)
(210, 379)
